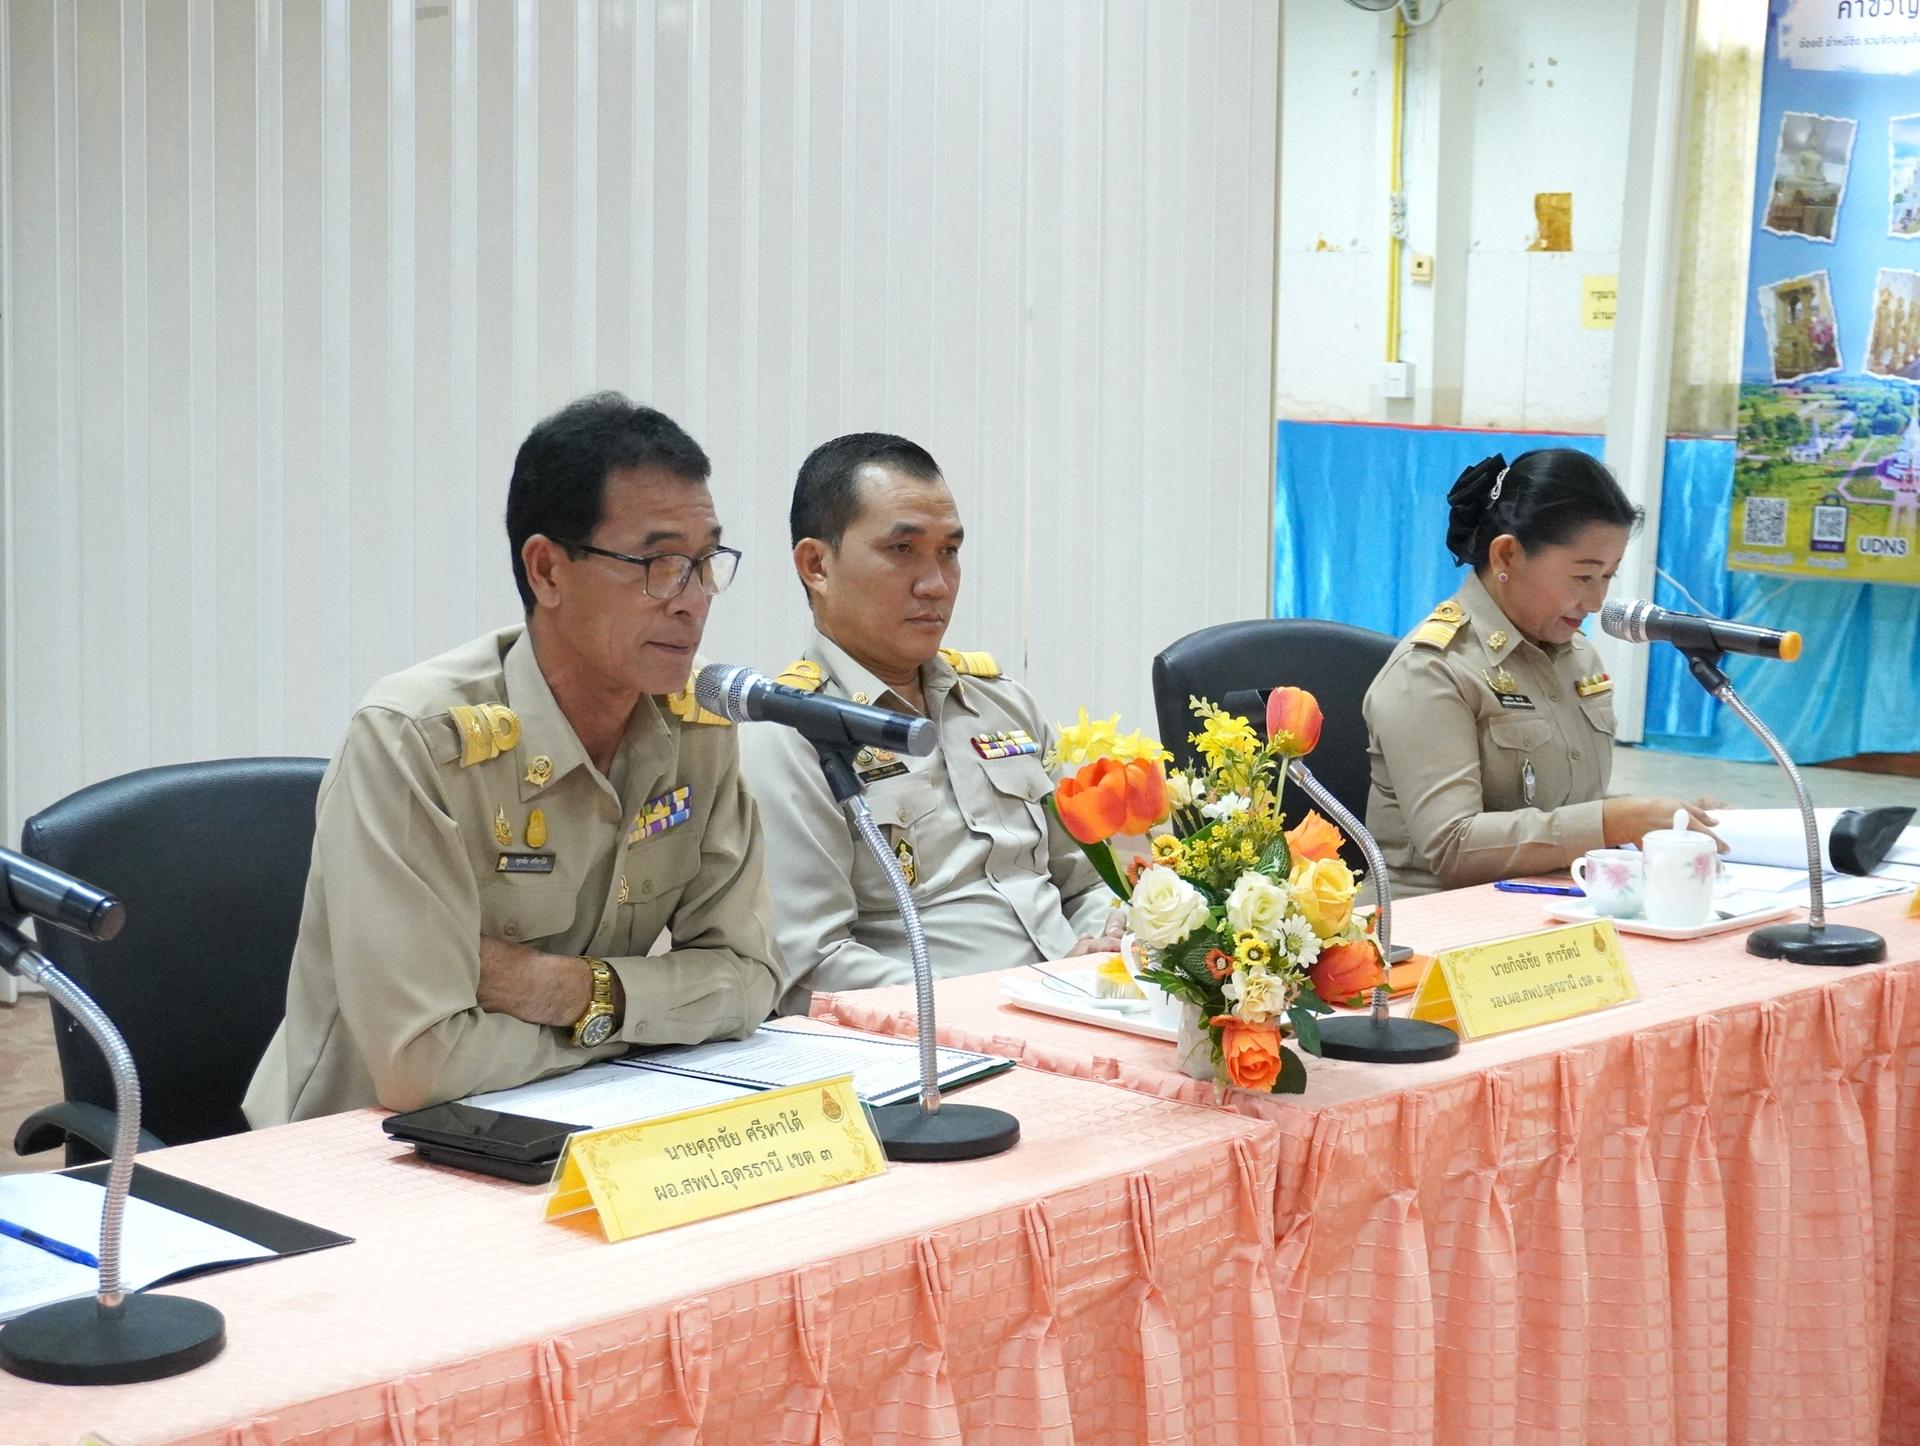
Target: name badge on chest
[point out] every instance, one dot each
(1505, 690)
(511, 863)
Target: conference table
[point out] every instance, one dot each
(1691, 1218)
(1695, 1217)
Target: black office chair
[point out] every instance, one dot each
(210, 860)
(1237, 664)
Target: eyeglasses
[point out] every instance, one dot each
(665, 574)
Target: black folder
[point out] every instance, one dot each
(281, 1234)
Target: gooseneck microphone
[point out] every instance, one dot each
(28, 886)
(1637, 621)
(741, 695)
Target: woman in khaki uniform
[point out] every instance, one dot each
(1491, 726)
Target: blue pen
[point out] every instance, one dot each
(52, 1247)
(1565, 891)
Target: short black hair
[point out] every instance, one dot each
(1545, 497)
(560, 473)
(826, 494)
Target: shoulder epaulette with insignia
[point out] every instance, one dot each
(486, 731)
(684, 706)
(803, 674)
(1441, 624)
(971, 665)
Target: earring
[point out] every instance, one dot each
(1503, 577)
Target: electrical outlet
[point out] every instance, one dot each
(1422, 268)
(1396, 382)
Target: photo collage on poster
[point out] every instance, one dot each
(1827, 460)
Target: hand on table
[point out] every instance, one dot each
(1627, 820)
(539, 988)
(1107, 941)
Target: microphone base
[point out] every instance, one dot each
(1833, 944)
(958, 1132)
(82, 1343)
(1386, 1041)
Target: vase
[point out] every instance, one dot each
(1193, 1044)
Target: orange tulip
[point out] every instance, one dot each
(1345, 972)
(1109, 797)
(1293, 721)
(1314, 838)
(1251, 1053)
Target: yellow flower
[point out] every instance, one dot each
(1137, 747)
(1225, 737)
(1085, 741)
(1252, 951)
(1323, 891)
(1168, 850)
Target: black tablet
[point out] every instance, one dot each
(520, 1139)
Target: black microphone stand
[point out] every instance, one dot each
(1376, 1037)
(113, 1338)
(1816, 941)
(930, 1129)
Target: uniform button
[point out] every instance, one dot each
(511, 930)
(859, 697)
(646, 886)
(1576, 753)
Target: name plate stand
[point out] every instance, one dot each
(1530, 979)
(698, 1164)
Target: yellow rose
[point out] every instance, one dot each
(1323, 891)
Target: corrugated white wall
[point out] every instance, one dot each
(285, 284)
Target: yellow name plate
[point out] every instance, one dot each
(712, 1161)
(1530, 979)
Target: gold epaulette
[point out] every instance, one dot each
(803, 674)
(684, 706)
(486, 731)
(971, 665)
(1441, 624)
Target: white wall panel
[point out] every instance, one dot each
(285, 284)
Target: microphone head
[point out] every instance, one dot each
(721, 688)
(1625, 618)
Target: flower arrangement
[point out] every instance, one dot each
(1247, 921)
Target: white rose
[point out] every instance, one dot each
(1257, 905)
(1165, 909)
(1258, 995)
(1180, 792)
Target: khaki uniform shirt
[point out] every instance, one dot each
(998, 881)
(1490, 756)
(407, 876)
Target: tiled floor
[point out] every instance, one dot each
(30, 1078)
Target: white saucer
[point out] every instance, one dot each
(1733, 911)
(1031, 990)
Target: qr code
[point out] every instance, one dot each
(1830, 524)
(1765, 522)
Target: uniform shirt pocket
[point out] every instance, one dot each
(1600, 714)
(527, 911)
(1022, 785)
(1521, 735)
(901, 806)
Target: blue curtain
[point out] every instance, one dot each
(1359, 537)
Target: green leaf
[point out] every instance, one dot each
(1306, 1028)
(1100, 855)
(1293, 1074)
(1309, 998)
(1276, 860)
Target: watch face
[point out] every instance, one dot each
(597, 1030)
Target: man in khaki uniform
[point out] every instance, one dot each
(507, 828)
(998, 881)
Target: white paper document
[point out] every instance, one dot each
(605, 1094)
(885, 1071)
(1740, 882)
(155, 1242)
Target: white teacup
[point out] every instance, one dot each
(1162, 1008)
(1614, 881)
(1682, 867)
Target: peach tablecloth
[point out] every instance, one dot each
(1695, 1218)
(1108, 1280)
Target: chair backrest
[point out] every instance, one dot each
(1236, 664)
(211, 861)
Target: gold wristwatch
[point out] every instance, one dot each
(597, 1024)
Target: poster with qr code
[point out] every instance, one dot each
(1826, 478)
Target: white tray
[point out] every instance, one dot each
(1735, 912)
(1030, 990)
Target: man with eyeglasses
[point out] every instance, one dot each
(876, 542)
(508, 828)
